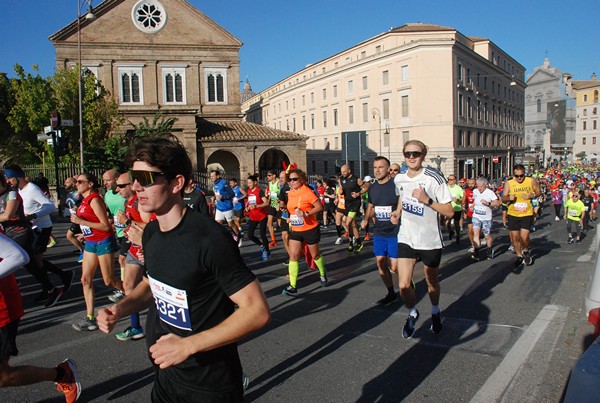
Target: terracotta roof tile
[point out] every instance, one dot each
(583, 84)
(226, 130)
(421, 27)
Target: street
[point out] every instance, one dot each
(509, 335)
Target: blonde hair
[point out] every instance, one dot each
(421, 145)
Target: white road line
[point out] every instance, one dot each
(502, 377)
(590, 253)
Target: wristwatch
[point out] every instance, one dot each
(430, 202)
(128, 222)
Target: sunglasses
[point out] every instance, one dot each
(122, 185)
(144, 178)
(395, 170)
(519, 176)
(412, 154)
(451, 179)
(79, 182)
(294, 179)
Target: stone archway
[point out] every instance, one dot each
(227, 160)
(272, 159)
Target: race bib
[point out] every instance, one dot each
(273, 196)
(471, 206)
(341, 203)
(235, 199)
(296, 220)
(480, 210)
(383, 213)
(118, 224)
(586, 208)
(412, 206)
(326, 200)
(171, 304)
(252, 199)
(217, 193)
(520, 207)
(574, 213)
(85, 230)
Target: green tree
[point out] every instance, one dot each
(160, 126)
(581, 155)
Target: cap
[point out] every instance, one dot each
(367, 178)
(14, 172)
(463, 179)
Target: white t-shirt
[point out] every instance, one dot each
(35, 202)
(481, 212)
(420, 227)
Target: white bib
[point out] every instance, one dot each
(171, 304)
(383, 213)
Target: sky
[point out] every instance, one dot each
(282, 37)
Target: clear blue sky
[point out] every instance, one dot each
(281, 37)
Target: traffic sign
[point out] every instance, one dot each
(67, 122)
(469, 162)
(55, 119)
(496, 159)
(47, 129)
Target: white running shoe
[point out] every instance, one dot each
(338, 241)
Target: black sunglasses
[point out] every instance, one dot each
(412, 154)
(79, 182)
(122, 185)
(395, 170)
(294, 179)
(519, 176)
(144, 178)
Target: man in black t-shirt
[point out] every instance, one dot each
(196, 277)
(352, 189)
(195, 198)
(588, 203)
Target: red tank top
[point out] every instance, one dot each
(255, 197)
(86, 213)
(11, 304)
(132, 212)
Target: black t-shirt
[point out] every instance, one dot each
(384, 200)
(587, 202)
(193, 269)
(350, 185)
(196, 200)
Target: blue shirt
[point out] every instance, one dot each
(221, 187)
(237, 191)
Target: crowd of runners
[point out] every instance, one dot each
(200, 305)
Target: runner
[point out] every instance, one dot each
(329, 203)
(468, 206)
(588, 203)
(192, 297)
(394, 170)
(224, 200)
(340, 213)
(574, 214)
(100, 246)
(303, 205)
(458, 195)
(115, 203)
(382, 201)
(257, 206)
(13, 257)
(352, 189)
(557, 201)
(71, 203)
(273, 196)
(194, 197)
(284, 215)
(518, 193)
(239, 195)
(423, 196)
(483, 198)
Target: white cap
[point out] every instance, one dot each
(368, 178)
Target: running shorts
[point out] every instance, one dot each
(311, 237)
(103, 247)
(430, 258)
(519, 223)
(385, 246)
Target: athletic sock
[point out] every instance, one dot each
(91, 317)
(135, 320)
(339, 230)
(435, 309)
(390, 290)
(293, 270)
(320, 262)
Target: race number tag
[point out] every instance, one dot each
(273, 196)
(296, 220)
(119, 225)
(85, 230)
(586, 208)
(252, 199)
(383, 213)
(520, 207)
(171, 304)
(341, 203)
(480, 210)
(574, 213)
(412, 206)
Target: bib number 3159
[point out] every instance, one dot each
(171, 304)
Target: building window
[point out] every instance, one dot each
(593, 140)
(460, 140)
(149, 16)
(386, 108)
(174, 85)
(365, 112)
(460, 105)
(335, 91)
(293, 103)
(479, 139)
(131, 85)
(287, 105)
(404, 72)
(312, 97)
(216, 85)
(404, 106)
(324, 94)
(478, 109)
(595, 96)
(365, 84)
(324, 118)
(378, 49)
(584, 112)
(294, 124)
(594, 124)
(350, 87)
(314, 144)
(584, 97)
(385, 77)
(469, 109)
(312, 120)
(583, 141)
(303, 100)
(335, 117)
(460, 72)
(584, 125)
(351, 114)
(469, 139)
(363, 54)
(303, 122)
(336, 143)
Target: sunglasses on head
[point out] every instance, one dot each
(412, 154)
(122, 185)
(294, 179)
(144, 178)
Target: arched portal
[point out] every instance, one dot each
(272, 159)
(228, 162)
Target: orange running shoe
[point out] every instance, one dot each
(70, 384)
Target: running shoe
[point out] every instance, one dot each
(556, 218)
(519, 261)
(265, 256)
(52, 243)
(324, 281)
(290, 291)
(338, 241)
(346, 234)
(86, 324)
(131, 333)
(475, 255)
(358, 247)
(471, 249)
(409, 327)
(570, 240)
(350, 248)
(53, 297)
(491, 254)
(286, 263)
(367, 237)
(578, 241)
(272, 244)
(436, 323)
(116, 296)
(245, 381)
(261, 251)
(70, 384)
(67, 280)
(527, 259)
(511, 248)
(42, 297)
(80, 258)
(388, 299)
(240, 240)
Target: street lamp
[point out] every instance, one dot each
(376, 111)
(89, 16)
(389, 140)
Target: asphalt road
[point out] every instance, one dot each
(508, 335)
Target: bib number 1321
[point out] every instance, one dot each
(171, 304)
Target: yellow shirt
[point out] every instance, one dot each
(520, 207)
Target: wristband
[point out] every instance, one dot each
(430, 202)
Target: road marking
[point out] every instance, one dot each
(588, 256)
(502, 377)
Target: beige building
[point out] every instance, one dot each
(463, 96)
(587, 134)
(166, 56)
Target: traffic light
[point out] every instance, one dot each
(62, 144)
